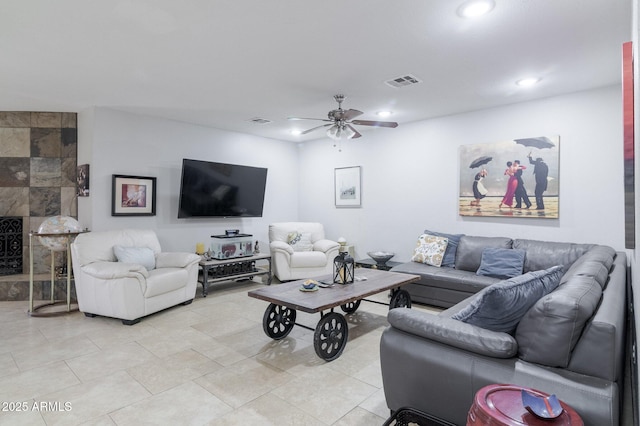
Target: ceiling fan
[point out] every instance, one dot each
(340, 122)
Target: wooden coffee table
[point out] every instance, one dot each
(331, 332)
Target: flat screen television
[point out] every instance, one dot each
(209, 189)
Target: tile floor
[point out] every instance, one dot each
(208, 363)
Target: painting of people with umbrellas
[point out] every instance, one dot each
(514, 178)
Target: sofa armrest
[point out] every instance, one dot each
(114, 270)
(176, 259)
(454, 333)
(281, 246)
(325, 245)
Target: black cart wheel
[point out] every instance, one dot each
(330, 336)
(278, 321)
(350, 307)
(400, 299)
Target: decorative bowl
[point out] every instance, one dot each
(381, 257)
(543, 407)
(309, 284)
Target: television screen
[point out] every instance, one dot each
(209, 189)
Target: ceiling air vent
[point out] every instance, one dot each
(258, 120)
(405, 80)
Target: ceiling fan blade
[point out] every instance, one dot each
(351, 114)
(316, 128)
(304, 118)
(356, 134)
(391, 124)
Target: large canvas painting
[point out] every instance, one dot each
(629, 157)
(514, 178)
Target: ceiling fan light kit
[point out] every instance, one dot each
(341, 121)
(527, 82)
(475, 8)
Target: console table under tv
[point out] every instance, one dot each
(236, 268)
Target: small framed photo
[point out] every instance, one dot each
(133, 196)
(82, 179)
(348, 188)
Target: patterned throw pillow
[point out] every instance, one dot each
(300, 241)
(430, 250)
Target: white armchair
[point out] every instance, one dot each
(120, 286)
(299, 250)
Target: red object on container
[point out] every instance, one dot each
(501, 405)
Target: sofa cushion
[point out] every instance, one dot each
(595, 262)
(447, 278)
(308, 259)
(454, 333)
(430, 249)
(545, 254)
(501, 306)
(501, 263)
(591, 268)
(139, 255)
(161, 281)
(469, 253)
(558, 319)
(449, 259)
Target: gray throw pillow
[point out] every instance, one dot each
(449, 258)
(501, 306)
(501, 263)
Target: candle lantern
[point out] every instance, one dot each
(343, 269)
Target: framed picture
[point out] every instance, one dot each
(628, 138)
(516, 178)
(348, 189)
(133, 196)
(82, 178)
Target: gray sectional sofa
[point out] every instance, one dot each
(570, 342)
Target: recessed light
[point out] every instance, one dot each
(527, 82)
(296, 132)
(475, 8)
(383, 113)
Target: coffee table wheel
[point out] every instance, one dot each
(278, 321)
(330, 336)
(400, 299)
(350, 307)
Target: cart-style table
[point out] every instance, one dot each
(331, 332)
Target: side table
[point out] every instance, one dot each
(370, 263)
(501, 404)
(215, 270)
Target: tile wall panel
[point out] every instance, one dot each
(15, 119)
(46, 142)
(15, 171)
(46, 119)
(14, 202)
(15, 142)
(45, 172)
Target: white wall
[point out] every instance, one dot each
(410, 175)
(131, 144)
